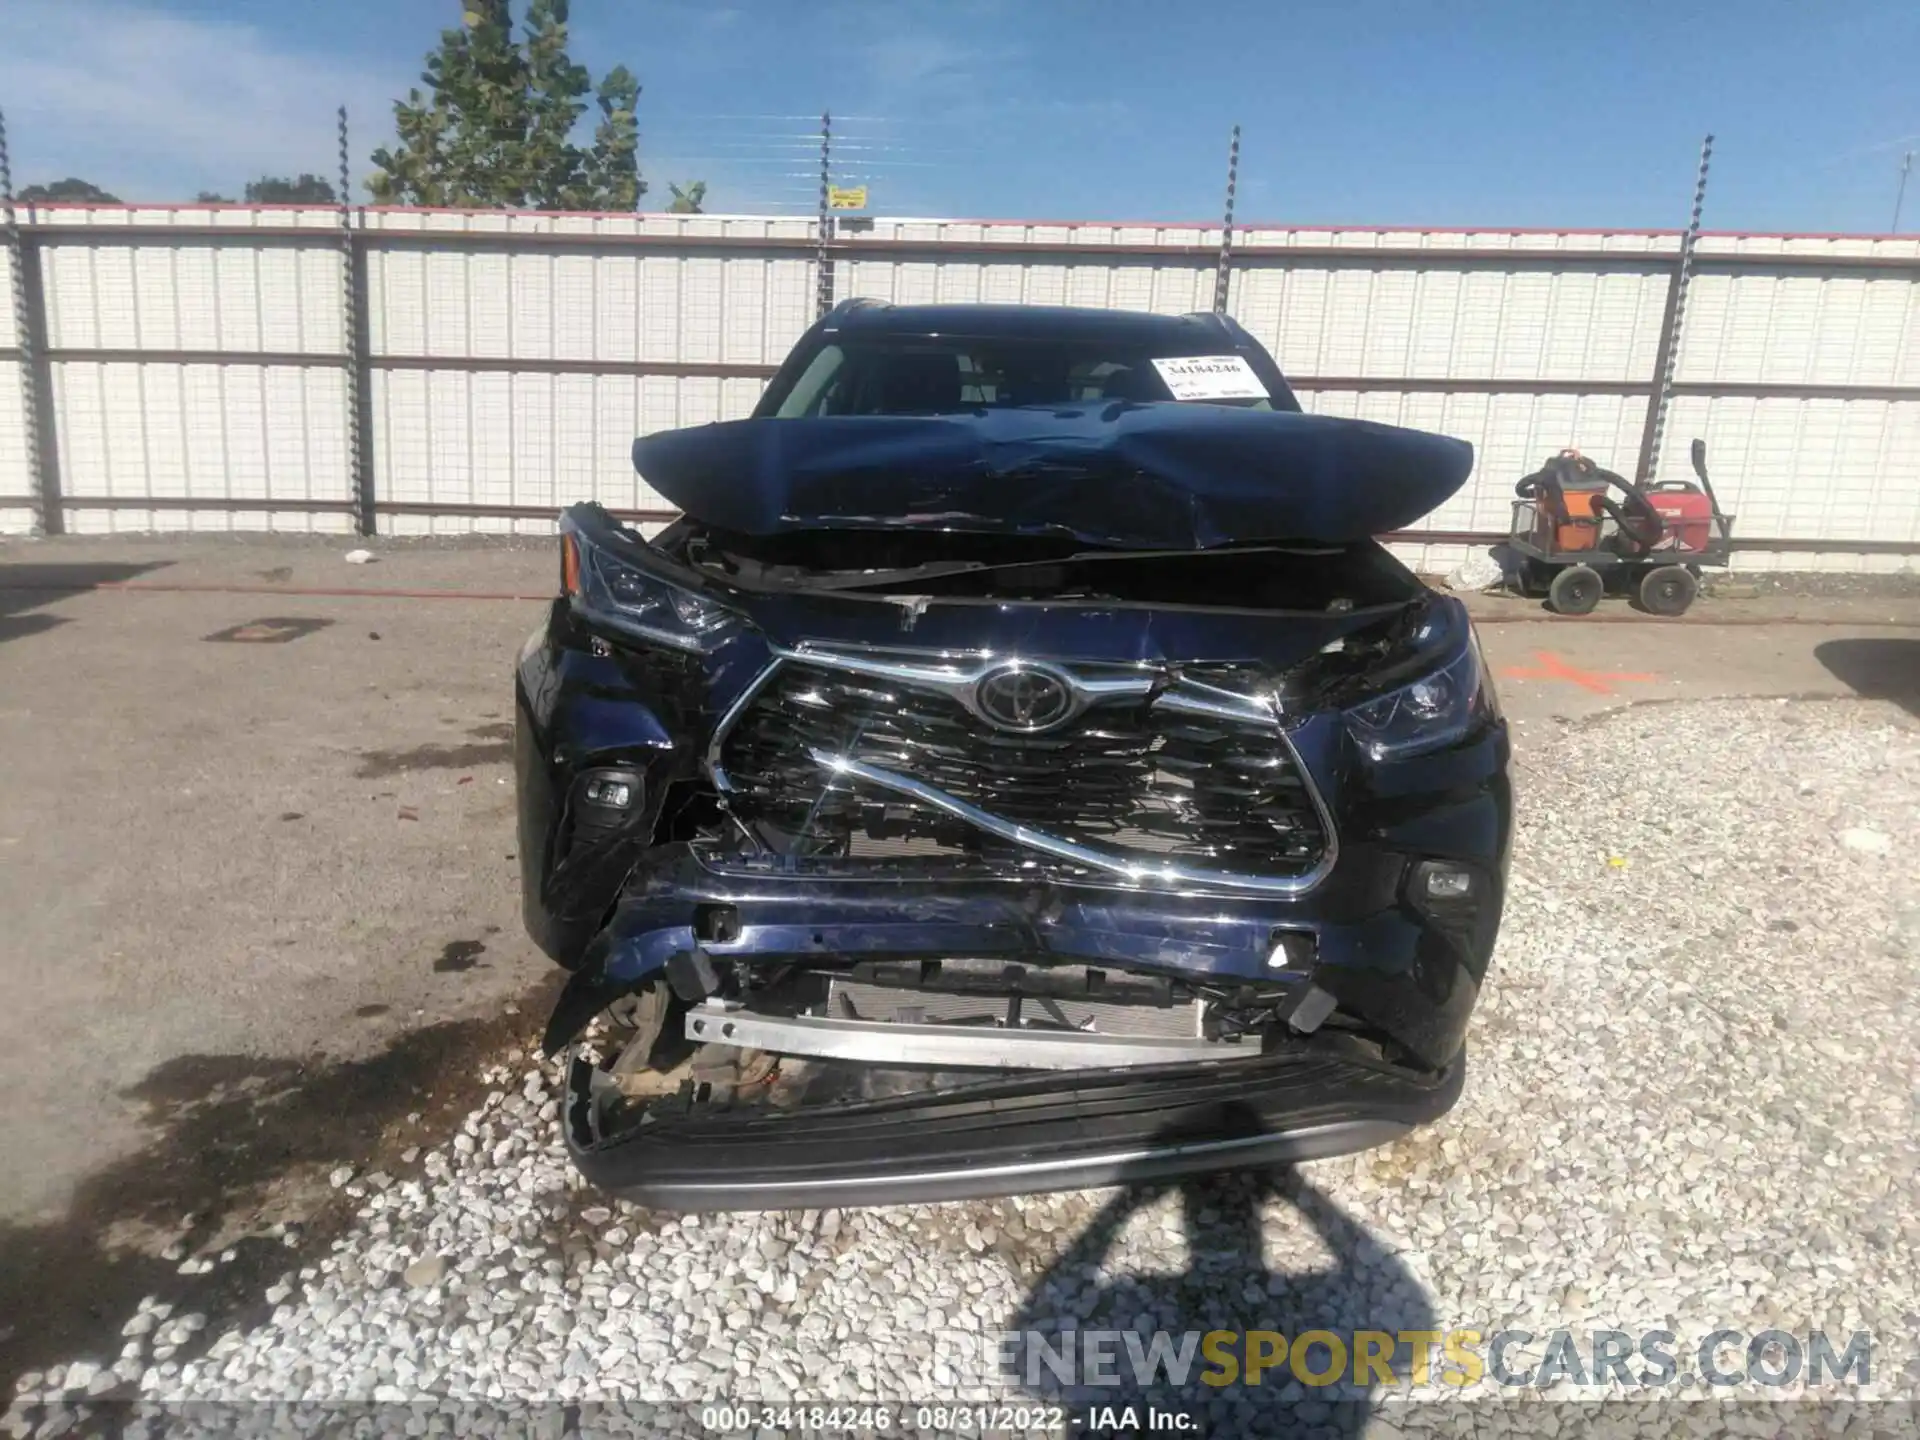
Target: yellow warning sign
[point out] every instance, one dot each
(847, 197)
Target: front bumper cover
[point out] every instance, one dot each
(1384, 962)
(1003, 1137)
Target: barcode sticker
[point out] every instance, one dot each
(1211, 377)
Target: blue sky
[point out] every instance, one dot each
(1368, 112)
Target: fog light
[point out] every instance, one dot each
(1459, 902)
(1445, 882)
(615, 794)
(1292, 950)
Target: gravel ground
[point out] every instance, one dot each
(1691, 1106)
(1812, 582)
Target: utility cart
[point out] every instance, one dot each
(1574, 543)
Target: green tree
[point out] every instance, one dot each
(687, 199)
(278, 190)
(70, 191)
(212, 197)
(497, 123)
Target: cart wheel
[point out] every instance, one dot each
(1668, 590)
(1575, 590)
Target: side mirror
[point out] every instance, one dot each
(1700, 457)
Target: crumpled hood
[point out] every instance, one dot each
(1164, 476)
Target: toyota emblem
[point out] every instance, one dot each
(1018, 697)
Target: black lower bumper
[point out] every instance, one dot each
(1002, 1137)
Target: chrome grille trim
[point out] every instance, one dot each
(1130, 870)
(1219, 704)
(949, 678)
(959, 682)
(715, 772)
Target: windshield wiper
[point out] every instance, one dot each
(879, 579)
(935, 570)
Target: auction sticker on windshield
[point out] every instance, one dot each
(1210, 377)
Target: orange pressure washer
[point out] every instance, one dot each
(1571, 535)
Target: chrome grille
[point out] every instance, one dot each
(1134, 775)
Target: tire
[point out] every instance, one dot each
(1575, 590)
(1668, 590)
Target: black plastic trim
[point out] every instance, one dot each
(1002, 1137)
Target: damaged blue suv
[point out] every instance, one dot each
(1019, 768)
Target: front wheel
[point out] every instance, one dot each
(1668, 590)
(1575, 590)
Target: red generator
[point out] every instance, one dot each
(1686, 512)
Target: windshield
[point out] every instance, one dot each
(946, 375)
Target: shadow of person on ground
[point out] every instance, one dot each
(1227, 1286)
(1876, 668)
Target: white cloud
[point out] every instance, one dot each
(157, 106)
(914, 63)
(964, 66)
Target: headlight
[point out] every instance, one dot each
(1431, 713)
(610, 591)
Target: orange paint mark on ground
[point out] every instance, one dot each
(1552, 667)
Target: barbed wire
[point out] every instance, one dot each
(761, 161)
(814, 120)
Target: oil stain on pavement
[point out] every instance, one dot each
(277, 630)
(458, 957)
(238, 1161)
(491, 744)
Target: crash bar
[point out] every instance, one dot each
(882, 1042)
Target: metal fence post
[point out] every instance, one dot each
(823, 291)
(354, 325)
(1666, 357)
(1220, 279)
(36, 373)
